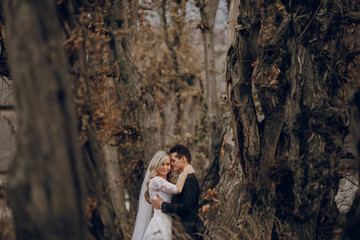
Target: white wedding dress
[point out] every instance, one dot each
(159, 227)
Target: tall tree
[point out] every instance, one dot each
(133, 83)
(172, 67)
(208, 11)
(141, 116)
(112, 101)
(351, 229)
(46, 187)
(281, 180)
(100, 210)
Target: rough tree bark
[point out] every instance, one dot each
(134, 91)
(135, 85)
(173, 28)
(101, 211)
(208, 13)
(132, 21)
(182, 111)
(351, 230)
(281, 180)
(45, 187)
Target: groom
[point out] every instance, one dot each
(185, 204)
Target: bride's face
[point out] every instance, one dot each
(165, 168)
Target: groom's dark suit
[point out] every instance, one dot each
(185, 205)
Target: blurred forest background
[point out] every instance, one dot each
(264, 93)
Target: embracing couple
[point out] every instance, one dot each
(178, 212)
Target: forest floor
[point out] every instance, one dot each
(7, 228)
(344, 199)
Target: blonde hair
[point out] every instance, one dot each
(155, 164)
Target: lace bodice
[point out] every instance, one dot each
(160, 186)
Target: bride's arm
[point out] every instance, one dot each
(180, 184)
(160, 184)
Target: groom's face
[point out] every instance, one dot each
(177, 164)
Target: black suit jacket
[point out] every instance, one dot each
(186, 204)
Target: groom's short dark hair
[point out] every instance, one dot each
(181, 151)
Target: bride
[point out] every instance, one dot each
(156, 181)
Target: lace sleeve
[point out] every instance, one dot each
(160, 184)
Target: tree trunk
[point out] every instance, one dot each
(115, 187)
(208, 13)
(181, 108)
(134, 84)
(351, 229)
(45, 187)
(132, 21)
(142, 116)
(283, 179)
(100, 212)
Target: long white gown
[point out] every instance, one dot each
(159, 227)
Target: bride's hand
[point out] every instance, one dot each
(189, 169)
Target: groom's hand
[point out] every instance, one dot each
(157, 202)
